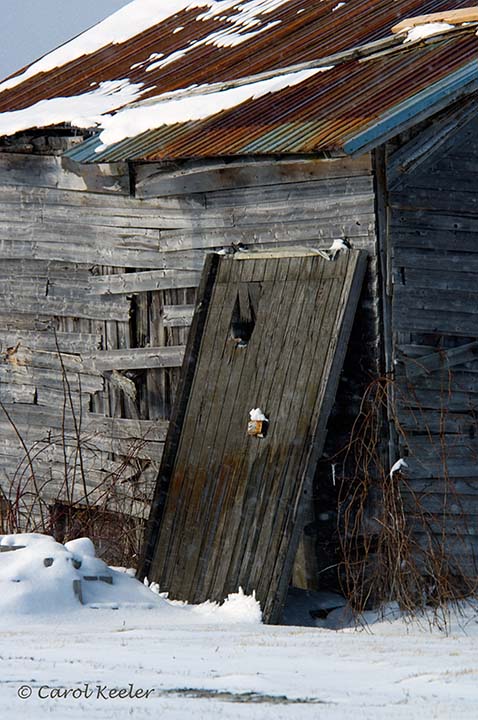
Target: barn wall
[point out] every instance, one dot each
(109, 280)
(433, 239)
(266, 204)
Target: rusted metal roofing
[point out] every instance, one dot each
(305, 30)
(323, 113)
(319, 113)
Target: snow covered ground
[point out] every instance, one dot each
(176, 662)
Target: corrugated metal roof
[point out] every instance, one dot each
(316, 31)
(322, 113)
(319, 113)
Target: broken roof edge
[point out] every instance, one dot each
(418, 107)
(454, 17)
(86, 153)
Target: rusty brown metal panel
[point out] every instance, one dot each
(316, 31)
(319, 114)
(234, 503)
(314, 115)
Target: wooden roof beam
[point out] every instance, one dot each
(452, 17)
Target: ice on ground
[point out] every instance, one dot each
(39, 576)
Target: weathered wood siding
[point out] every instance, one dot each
(235, 504)
(433, 241)
(112, 279)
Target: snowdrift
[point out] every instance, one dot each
(39, 576)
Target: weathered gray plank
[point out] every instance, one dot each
(441, 279)
(435, 422)
(423, 238)
(454, 262)
(412, 319)
(178, 315)
(155, 180)
(17, 393)
(143, 281)
(41, 377)
(67, 342)
(57, 172)
(455, 467)
(48, 419)
(442, 358)
(416, 397)
(20, 356)
(436, 200)
(151, 430)
(326, 193)
(135, 358)
(441, 446)
(39, 444)
(441, 486)
(449, 503)
(417, 219)
(111, 210)
(359, 227)
(106, 309)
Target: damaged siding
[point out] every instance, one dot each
(112, 279)
(433, 213)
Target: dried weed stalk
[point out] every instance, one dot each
(403, 539)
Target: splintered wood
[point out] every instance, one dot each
(234, 504)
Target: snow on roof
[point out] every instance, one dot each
(185, 108)
(150, 49)
(140, 15)
(84, 111)
(122, 25)
(420, 32)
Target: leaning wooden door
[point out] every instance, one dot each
(269, 333)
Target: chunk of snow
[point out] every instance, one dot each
(398, 466)
(338, 244)
(83, 546)
(420, 32)
(338, 6)
(39, 578)
(236, 608)
(179, 107)
(257, 415)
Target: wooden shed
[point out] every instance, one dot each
(217, 128)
